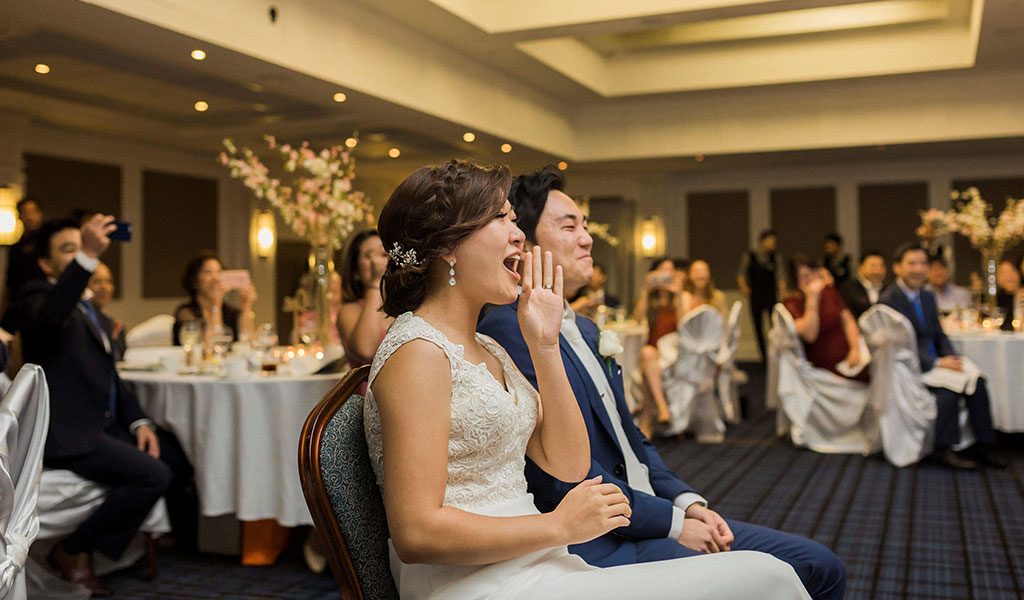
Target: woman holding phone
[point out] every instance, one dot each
(202, 281)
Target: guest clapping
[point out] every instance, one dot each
(206, 300)
(360, 320)
(824, 323)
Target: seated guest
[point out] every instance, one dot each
(97, 428)
(835, 260)
(699, 290)
(669, 518)
(661, 305)
(860, 292)
(360, 320)
(1010, 293)
(910, 262)
(206, 301)
(949, 296)
(101, 284)
(21, 262)
(824, 323)
(594, 295)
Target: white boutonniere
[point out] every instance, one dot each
(609, 346)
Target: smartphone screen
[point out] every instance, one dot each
(235, 279)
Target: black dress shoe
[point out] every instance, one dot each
(949, 458)
(77, 568)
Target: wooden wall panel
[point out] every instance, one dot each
(719, 231)
(889, 214)
(802, 217)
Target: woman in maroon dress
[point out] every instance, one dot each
(823, 322)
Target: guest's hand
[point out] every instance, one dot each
(249, 297)
(540, 304)
(94, 235)
(378, 264)
(116, 327)
(592, 509)
(147, 441)
(720, 531)
(954, 363)
(853, 358)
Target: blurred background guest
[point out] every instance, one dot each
(949, 296)
(101, 285)
(700, 289)
(21, 262)
(834, 259)
(206, 301)
(594, 295)
(361, 322)
(761, 280)
(660, 303)
(860, 292)
(825, 325)
(1010, 293)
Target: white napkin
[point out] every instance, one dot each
(963, 382)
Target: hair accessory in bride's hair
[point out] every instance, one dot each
(402, 257)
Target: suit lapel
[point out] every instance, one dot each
(593, 395)
(92, 327)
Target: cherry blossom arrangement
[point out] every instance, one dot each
(597, 230)
(972, 220)
(317, 200)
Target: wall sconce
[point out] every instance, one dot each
(265, 234)
(652, 237)
(11, 227)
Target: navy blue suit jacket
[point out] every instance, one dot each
(927, 332)
(652, 515)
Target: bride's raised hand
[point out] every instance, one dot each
(540, 303)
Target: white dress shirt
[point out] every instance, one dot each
(873, 291)
(637, 473)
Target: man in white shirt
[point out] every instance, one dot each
(862, 291)
(948, 295)
(670, 519)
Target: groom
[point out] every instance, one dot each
(670, 519)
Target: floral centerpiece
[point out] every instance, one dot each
(972, 218)
(314, 196)
(597, 230)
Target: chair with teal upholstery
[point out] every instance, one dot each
(342, 493)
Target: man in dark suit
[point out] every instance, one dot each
(21, 262)
(669, 519)
(97, 428)
(910, 263)
(834, 259)
(862, 291)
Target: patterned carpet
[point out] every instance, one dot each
(923, 533)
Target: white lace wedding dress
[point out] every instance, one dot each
(486, 455)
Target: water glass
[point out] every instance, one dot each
(220, 342)
(189, 336)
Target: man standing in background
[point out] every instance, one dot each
(761, 280)
(21, 261)
(835, 260)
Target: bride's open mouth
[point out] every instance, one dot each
(511, 263)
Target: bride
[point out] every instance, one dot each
(449, 419)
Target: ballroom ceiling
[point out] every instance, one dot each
(128, 75)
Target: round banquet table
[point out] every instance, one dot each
(1000, 356)
(632, 335)
(241, 434)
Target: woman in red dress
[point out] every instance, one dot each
(825, 325)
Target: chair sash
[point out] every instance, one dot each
(24, 420)
(728, 388)
(689, 380)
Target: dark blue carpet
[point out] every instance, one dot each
(923, 532)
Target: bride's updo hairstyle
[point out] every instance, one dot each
(429, 214)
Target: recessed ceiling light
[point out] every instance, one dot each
(198, 54)
(42, 69)
(506, 148)
(340, 97)
(394, 153)
(202, 106)
(351, 142)
(563, 165)
(469, 136)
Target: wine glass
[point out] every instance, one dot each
(263, 347)
(220, 342)
(189, 336)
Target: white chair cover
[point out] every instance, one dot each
(819, 409)
(728, 382)
(688, 375)
(154, 331)
(24, 421)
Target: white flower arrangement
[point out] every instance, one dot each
(971, 220)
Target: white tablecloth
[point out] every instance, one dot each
(242, 436)
(1000, 356)
(633, 336)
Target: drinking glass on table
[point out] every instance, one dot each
(263, 347)
(190, 333)
(220, 342)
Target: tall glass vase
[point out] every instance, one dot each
(988, 304)
(321, 270)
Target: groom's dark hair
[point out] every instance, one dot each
(529, 194)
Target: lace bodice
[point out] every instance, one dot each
(490, 426)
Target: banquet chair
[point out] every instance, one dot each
(154, 331)
(342, 495)
(688, 375)
(24, 421)
(729, 377)
(817, 408)
(905, 407)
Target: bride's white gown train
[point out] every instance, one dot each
(490, 427)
